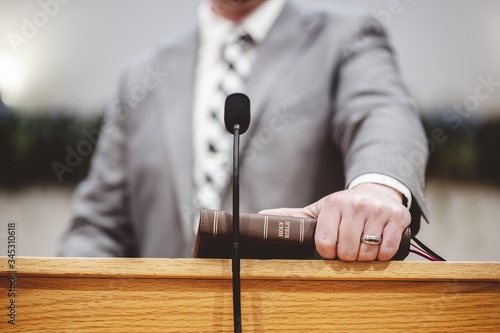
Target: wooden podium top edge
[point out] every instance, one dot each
(252, 269)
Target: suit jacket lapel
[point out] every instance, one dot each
(276, 55)
(175, 116)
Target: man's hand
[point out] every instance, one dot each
(368, 208)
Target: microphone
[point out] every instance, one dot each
(237, 120)
(237, 112)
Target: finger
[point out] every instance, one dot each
(391, 239)
(350, 229)
(311, 211)
(327, 230)
(374, 227)
(299, 212)
(398, 221)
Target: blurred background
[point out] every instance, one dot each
(59, 66)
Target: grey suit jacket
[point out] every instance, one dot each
(328, 105)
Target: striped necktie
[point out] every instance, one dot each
(215, 162)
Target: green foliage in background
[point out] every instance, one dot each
(468, 152)
(30, 145)
(35, 149)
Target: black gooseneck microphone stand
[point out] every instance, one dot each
(236, 231)
(236, 120)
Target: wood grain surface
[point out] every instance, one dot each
(255, 269)
(194, 295)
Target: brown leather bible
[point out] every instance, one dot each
(264, 237)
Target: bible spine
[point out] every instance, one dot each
(270, 228)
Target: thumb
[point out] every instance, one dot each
(311, 211)
(297, 212)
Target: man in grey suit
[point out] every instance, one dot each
(333, 130)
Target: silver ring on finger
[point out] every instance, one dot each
(370, 239)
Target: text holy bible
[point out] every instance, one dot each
(264, 237)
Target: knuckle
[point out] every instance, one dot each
(323, 242)
(325, 247)
(367, 256)
(378, 209)
(359, 203)
(394, 211)
(335, 198)
(388, 250)
(347, 254)
(384, 255)
(399, 213)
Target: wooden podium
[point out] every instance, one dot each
(194, 295)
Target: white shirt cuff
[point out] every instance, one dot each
(382, 179)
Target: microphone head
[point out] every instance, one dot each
(237, 111)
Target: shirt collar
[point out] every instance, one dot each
(257, 24)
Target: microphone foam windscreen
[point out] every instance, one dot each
(237, 111)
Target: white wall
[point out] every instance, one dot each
(73, 61)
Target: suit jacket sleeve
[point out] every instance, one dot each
(376, 123)
(100, 226)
